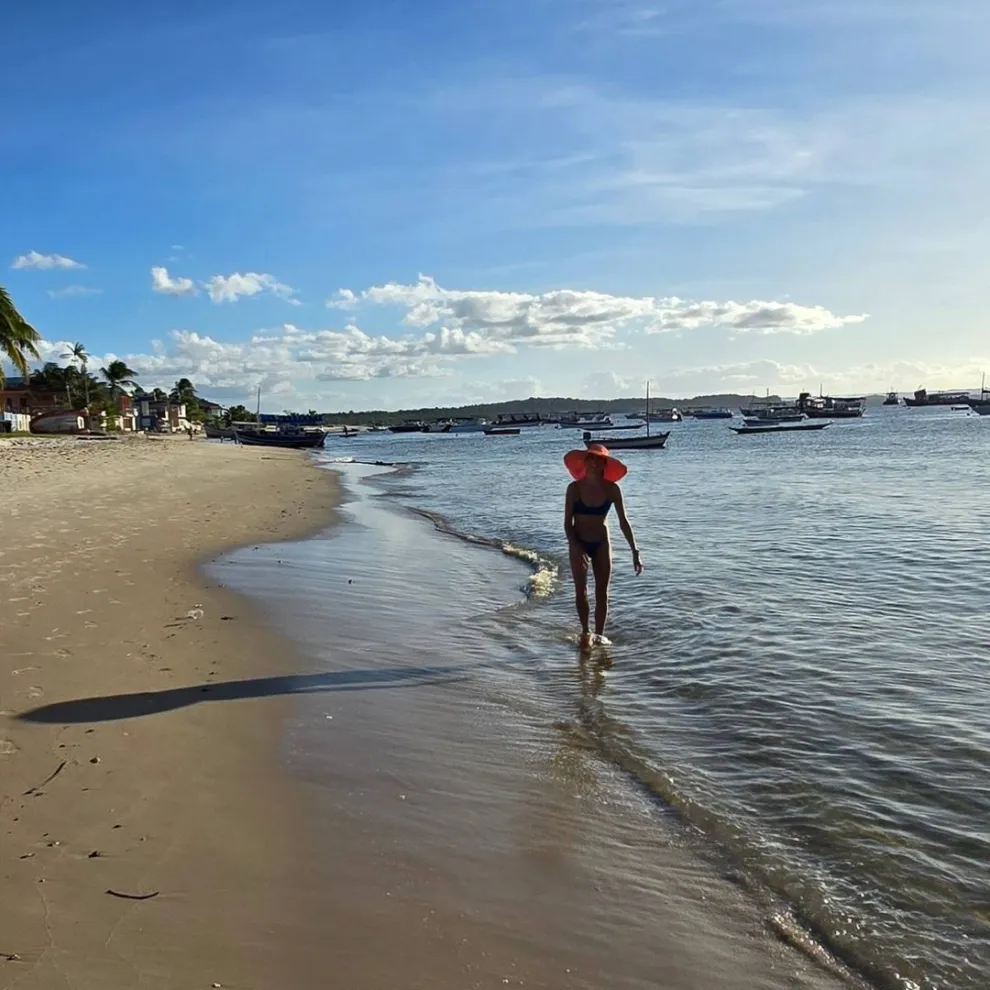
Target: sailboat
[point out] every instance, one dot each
(982, 405)
(655, 442)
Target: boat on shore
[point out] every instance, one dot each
(218, 432)
(293, 440)
(779, 428)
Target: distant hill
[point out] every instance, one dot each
(535, 405)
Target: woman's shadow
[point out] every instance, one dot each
(111, 707)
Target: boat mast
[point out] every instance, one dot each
(647, 408)
(257, 415)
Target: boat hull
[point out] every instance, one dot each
(218, 432)
(772, 420)
(656, 442)
(796, 428)
(302, 441)
(502, 431)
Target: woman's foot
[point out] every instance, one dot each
(601, 640)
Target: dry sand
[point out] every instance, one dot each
(97, 579)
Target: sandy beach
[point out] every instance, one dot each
(431, 839)
(101, 596)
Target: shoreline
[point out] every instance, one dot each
(102, 580)
(482, 843)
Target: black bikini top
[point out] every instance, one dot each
(580, 509)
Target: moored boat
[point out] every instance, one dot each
(778, 428)
(922, 397)
(672, 415)
(466, 426)
(892, 399)
(655, 442)
(773, 418)
(831, 407)
(709, 413)
(302, 440)
(518, 419)
(409, 427)
(502, 431)
(585, 421)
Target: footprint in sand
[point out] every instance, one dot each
(34, 691)
(7, 748)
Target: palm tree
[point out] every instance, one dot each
(18, 339)
(77, 352)
(117, 375)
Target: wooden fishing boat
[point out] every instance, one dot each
(217, 432)
(272, 438)
(786, 428)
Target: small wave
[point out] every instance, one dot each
(542, 581)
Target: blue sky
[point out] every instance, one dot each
(383, 204)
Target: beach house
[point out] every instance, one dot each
(157, 415)
(17, 395)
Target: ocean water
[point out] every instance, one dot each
(800, 675)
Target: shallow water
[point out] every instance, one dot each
(800, 674)
(459, 793)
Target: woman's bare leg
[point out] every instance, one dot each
(579, 570)
(602, 567)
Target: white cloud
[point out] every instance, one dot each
(230, 288)
(166, 285)
(69, 291)
(44, 261)
(344, 299)
(222, 288)
(570, 317)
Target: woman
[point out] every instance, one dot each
(590, 495)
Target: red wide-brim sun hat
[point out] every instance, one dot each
(576, 461)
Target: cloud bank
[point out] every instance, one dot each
(564, 317)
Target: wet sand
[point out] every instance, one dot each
(98, 547)
(475, 842)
